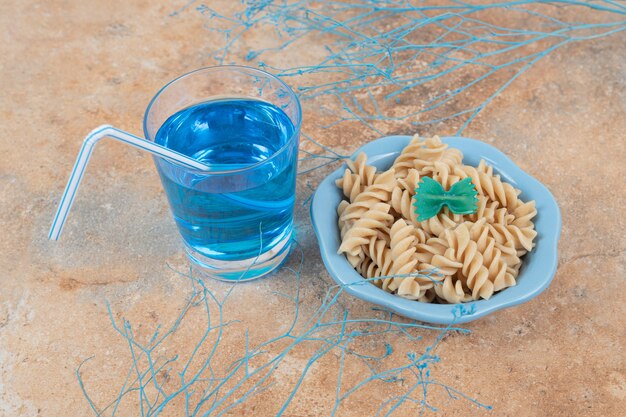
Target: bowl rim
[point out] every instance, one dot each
(543, 263)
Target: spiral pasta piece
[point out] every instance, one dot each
(489, 185)
(402, 246)
(419, 154)
(366, 173)
(443, 174)
(452, 291)
(369, 269)
(433, 246)
(524, 213)
(402, 196)
(522, 238)
(436, 225)
(509, 254)
(493, 258)
(350, 184)
(498, 269)
(519, 230)
(402, 203)
(343, 224)
(443, 265)
(411, 289)
(379, 252)
(379, 191)
(404, 263)
(485, 209)
(355, 261)
(410, 182)
(503, 217)
(366, 227)
(474, 274)
(451, 157)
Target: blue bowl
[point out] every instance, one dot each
(538, 268)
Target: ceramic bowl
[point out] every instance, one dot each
(539, 266)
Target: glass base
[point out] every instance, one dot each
(241, 270)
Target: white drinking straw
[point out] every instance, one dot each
(83, 158)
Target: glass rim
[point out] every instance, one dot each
(288, 143)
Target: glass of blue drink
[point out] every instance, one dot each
(236, 219)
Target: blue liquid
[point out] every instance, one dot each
(231, 216)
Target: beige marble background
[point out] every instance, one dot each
(70, 65)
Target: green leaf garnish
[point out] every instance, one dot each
(430, 197)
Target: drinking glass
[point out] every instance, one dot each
(236, 220)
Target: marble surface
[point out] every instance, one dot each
(68, 66)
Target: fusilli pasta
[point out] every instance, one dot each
(449, 258)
